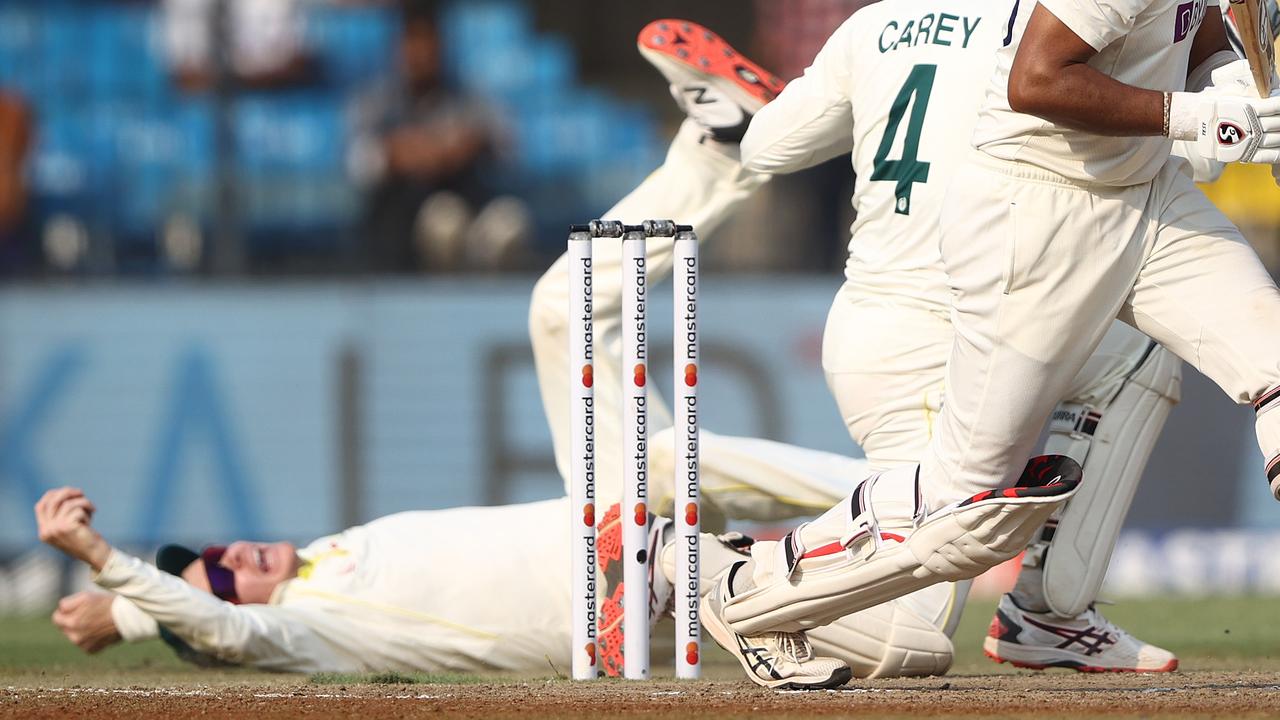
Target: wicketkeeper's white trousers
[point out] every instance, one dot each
(745, 478)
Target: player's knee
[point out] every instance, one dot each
(1153, 381)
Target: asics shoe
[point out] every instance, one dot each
(778, 660)
(1088, 642)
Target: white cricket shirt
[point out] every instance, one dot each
(1145, 43)
(899, 86)
(461, 590)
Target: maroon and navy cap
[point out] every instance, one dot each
(173, 559)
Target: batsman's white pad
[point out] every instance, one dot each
(906, 637)
(1112, 444)
(1268, 427)
(892, 639)
(867, 566)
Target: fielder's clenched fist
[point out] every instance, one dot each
(63, 521)
(85, 618)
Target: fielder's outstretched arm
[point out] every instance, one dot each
(265, 636)
(261, 635)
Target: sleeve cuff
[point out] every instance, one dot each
(1064, 11)
(114, 572)
(131, 622)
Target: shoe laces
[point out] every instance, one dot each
(1103, 623)
(794, 646)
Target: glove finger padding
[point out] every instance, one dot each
(1230, 130)
(1227, 128)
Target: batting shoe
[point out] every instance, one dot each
(711, 82)
(1088, 642)
(779, 660)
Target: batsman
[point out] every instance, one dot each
(1069, 213)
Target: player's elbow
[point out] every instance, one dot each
(760, 164)
(774, 159)
(753, 152)
(1031, 87)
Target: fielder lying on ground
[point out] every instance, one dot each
(425, 591)
(415, 591)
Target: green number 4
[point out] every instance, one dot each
(909, 169)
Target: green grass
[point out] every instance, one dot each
(1221, 633)
(28, 643)
(33, 652)
(1237, 633)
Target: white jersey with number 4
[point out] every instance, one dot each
(899, 84)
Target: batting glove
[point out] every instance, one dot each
(1225, 122)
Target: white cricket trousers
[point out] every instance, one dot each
(886, 360)
(1041, 265)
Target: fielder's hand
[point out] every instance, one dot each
(62, 521)
(85, 618)
(1227, 122)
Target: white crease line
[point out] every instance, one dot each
(167, 692)
(174, 692)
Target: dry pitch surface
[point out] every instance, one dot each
(1230, 650)
(1193, 694)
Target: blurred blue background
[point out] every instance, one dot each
(123, 147)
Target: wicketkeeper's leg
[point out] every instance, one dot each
(696, 185)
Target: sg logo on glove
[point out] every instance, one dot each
(1229, 133)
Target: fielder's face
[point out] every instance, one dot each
(258, 568)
